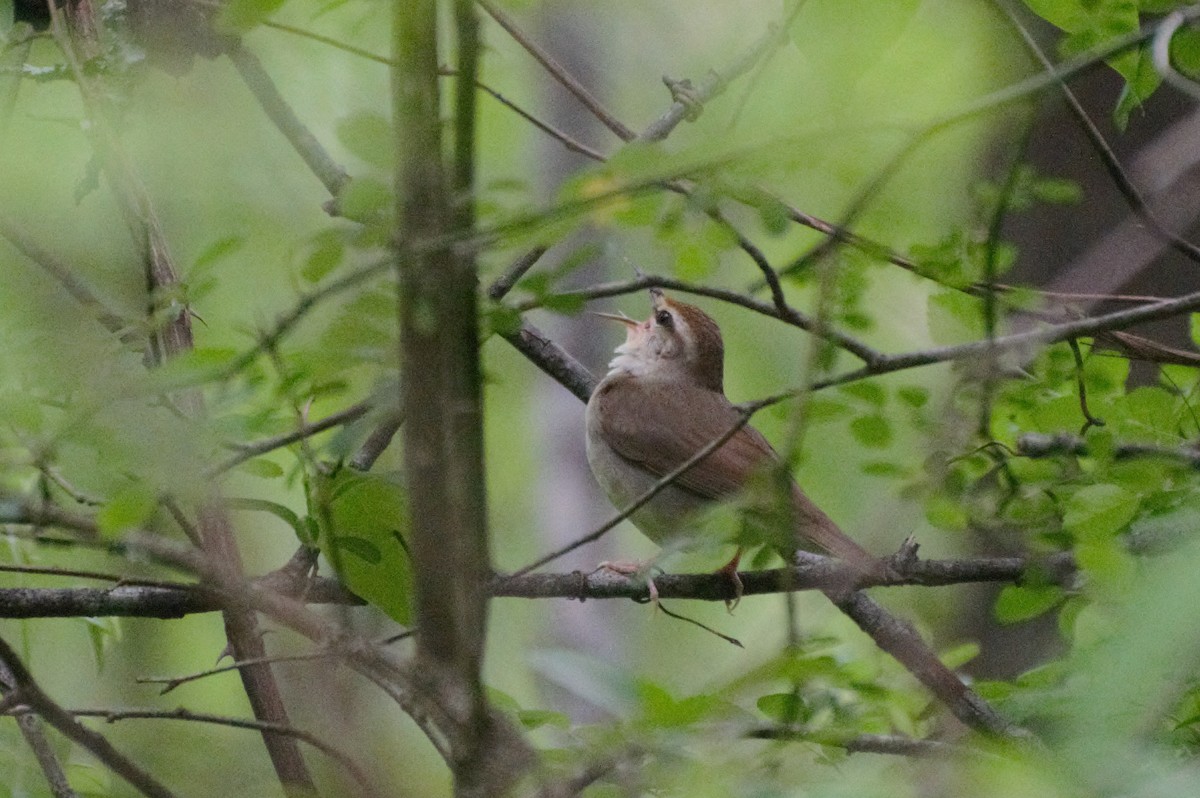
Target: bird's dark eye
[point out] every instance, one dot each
(663, 317)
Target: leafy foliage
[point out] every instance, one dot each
(1054, 449)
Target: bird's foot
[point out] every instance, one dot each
(632, 568)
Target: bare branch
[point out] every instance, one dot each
(306, 145)
(26, 691)
(558, 72)
(248, 451)
(181, 713)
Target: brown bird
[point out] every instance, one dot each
(662, 401)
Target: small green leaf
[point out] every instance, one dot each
(128, 509)
(260, 467)
(216, 251)
(913, 395)
(280, 511)
(535, 718)
(1099, 511)
(881, 468)
(869, 392)
(502, 319)
(874, 431)
(784, 708)
(954, 318)
(239, 16)
(364, 199)
(660, 710)
(774, 215)
(959, 655)
(567, 304)
(1018, 603)
(369, 136)
(1057, 191)
(942, 512)
(327, 254)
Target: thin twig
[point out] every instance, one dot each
(26, 691)
(558, 72)
(377, 442)
(248, 451)
(257, 79)
(1108, 158)
(786, 314)
(180, 713)
(644, 498)
(891, 744)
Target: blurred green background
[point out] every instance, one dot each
(244, 219)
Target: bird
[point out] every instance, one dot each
(660, 405)
(663, 401)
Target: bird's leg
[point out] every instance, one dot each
(631, 568)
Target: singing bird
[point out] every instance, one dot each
(662, 401)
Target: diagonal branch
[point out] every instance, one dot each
(26, 691)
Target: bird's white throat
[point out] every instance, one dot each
(629, 360)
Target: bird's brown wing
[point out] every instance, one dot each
(640, 425)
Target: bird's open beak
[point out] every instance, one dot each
(628, 322)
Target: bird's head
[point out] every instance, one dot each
(678, 341)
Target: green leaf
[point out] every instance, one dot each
(369, 136)
(280, 511)
(1099, 511)
(784, 708)
(774, 215)
(943, 512)
(1018, 603)
(501, 319)
(261, 467)
(129, 509)
(873, 431)
(869, 392)
(535, 718)
(954, 318)
(1092, 23)
(327, 254)
(365, 539)
(216, 251)
(239, 16)
(364, 199)
(660, 710)
(102, 633)
(1057, 191)
(913, 395)
(959, 655)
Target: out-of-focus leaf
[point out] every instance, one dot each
(239, 16)
(1018, 603)
(873, 431)
(128, 509)
(369, 136)
(280, 511)
(1099, 511)
(954, 318)
(327, 254)
(784, 708)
